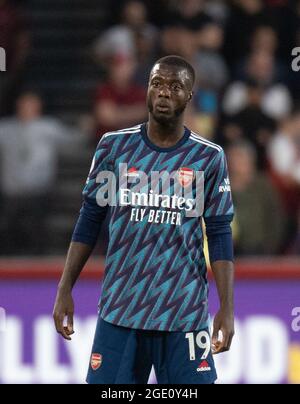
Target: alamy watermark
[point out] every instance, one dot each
(161, 197)
(296, 320)
(2, 60)
(296, 61)
(2, 319)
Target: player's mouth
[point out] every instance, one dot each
(163, 108)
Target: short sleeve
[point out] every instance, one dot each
(217, 190)
(100, 164)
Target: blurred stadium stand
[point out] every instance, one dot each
(57, 57)
(60, 65)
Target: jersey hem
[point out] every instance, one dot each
(153, 325)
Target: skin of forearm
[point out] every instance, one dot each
(224, 275)
(77, 257)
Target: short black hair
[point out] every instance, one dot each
(177, 61)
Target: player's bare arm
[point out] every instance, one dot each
(77, 256)
(224, 319)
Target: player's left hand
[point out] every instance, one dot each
(224, 322)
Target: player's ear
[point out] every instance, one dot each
(190, 96)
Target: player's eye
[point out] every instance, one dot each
(176, 87)
(155, 83)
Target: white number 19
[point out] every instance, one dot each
(202, 341)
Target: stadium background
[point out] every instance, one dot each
(77, 68)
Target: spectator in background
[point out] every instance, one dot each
(282, 15)
(244, 17)
(284, 158)
(276, 101)
(247, 15)
(29, 146)
(264, 38)
(119, 102)
(212, 75)
(264, 41)
(189, 14)
(181, 33)
(14, 38)
(134, 37)
(251, 123)
(259, 218)
(213, 72)
(218, 10)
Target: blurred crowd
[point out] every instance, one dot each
(246, 98)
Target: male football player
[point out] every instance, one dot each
(157, 180)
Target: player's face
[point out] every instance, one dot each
(169, 91)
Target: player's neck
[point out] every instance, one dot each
(165, 135)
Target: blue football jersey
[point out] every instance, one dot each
(155, 271)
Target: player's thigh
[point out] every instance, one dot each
(117, 356)
(185, 358)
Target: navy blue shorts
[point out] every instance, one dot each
(123, 355)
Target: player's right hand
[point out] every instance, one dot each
(64, 309)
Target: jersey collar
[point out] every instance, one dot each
(152, 146)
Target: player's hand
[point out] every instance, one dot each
(64, 308)
(224, 322)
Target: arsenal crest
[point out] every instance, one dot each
(185, 176)
(96, 361)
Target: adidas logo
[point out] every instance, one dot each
(203, 367)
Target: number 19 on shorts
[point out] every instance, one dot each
(202, 340)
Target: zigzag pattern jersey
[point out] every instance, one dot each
(155, 272)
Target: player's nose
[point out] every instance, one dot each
(164, 92)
